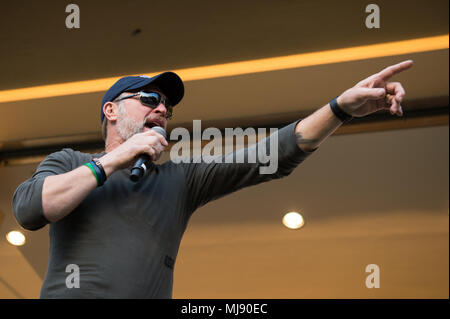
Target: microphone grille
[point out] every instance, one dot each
(160, 130)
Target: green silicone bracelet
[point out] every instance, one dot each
(93, 172)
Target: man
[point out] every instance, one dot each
(124, 236)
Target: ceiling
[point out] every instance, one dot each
(180, 34)
(396, 198)
(40, 50)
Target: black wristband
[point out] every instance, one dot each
(100, 167)
(344, 117)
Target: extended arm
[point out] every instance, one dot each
(368, 96)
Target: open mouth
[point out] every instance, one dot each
(152, 124)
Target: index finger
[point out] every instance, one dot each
(392, 70)
(160, 137)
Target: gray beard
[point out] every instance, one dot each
(127, 127)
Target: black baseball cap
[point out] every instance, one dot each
(168, 82)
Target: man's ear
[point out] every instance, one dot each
(110, 110)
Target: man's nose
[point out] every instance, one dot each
(160, 109)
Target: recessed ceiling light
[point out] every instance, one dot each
(293, 220)
(15, 238)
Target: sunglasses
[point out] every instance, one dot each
(152, 100)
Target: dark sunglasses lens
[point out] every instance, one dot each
(152, 99)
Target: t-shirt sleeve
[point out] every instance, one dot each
(209, 181)
(27, 199)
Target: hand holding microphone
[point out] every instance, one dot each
(144, 160)
(146, 147)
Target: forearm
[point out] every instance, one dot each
(314, 129)
(61, 194)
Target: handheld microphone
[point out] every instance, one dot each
(144, 160)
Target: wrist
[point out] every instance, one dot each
(340, 103)
(108, 164)
(339, 112)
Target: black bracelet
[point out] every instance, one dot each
(344, 117)
(100, 167)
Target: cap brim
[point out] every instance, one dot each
(169, 83)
